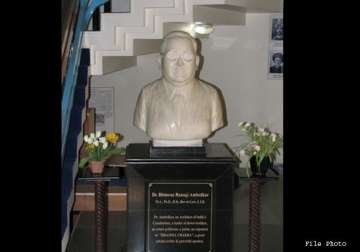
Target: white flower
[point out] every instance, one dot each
(257, 147)
(273, 137)
(254, 153)
(98, 134)
(105, 145)
(90, 140)
(102, 140)
(92, 135)
(247, 125)
(241, 124)
(261, 129)
(96, 143)
(242, 153)
(86, 139)
(264, 133)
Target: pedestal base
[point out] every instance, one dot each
(180, 203)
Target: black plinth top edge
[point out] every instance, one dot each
(258, 179)
(214, 152)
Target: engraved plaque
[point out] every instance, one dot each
(179, 217)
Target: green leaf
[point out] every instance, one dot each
(84, 161)
(113, 152)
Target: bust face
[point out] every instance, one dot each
(179, 62)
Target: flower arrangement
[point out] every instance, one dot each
(100, 147)
(263, 143)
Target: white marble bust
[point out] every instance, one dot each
(178, 109)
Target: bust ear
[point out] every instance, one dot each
(197, 61)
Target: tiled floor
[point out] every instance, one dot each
(82, 239)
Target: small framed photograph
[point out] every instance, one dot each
(276, 30)
(276, 64)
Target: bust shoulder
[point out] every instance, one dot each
(148, 88)
(208, 88)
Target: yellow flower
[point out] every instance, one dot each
(112, 137)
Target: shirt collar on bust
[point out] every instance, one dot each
(173, 91)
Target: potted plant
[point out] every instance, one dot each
(262, 148)
(99, 147)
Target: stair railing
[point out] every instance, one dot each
(86, 10)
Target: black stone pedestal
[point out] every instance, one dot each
(180, 203)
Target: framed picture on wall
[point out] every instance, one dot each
(276, 30)
(276, 64)
(276, 59)
(102, 99)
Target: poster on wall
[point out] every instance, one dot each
(277, 30)
(276, 61)
(276, 64)
(102, 99)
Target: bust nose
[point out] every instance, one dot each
(179, 62)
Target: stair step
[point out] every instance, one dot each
(123, 34)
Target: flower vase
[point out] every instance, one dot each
(97, 167)
(265, 165)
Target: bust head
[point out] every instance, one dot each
(177, 109)
(179, 59)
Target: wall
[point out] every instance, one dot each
(120, 5)
(235, 60)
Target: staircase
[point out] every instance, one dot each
(74, 140)
(140, 31)
(73, 104)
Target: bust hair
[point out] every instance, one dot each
(177, 34)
